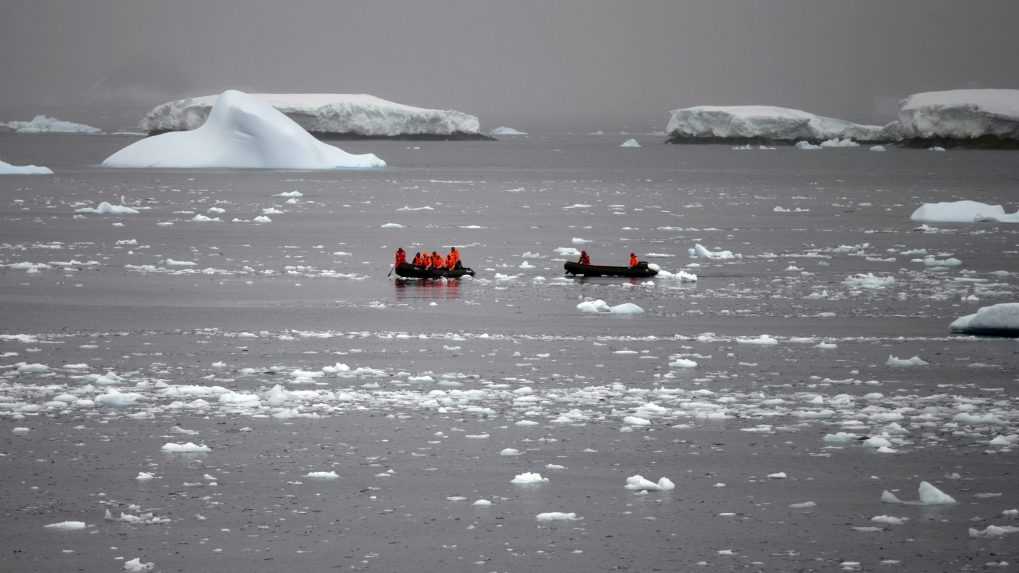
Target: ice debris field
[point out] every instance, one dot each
(213, 368)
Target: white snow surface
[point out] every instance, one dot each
(46, 124)
(358, 114)
(767, 122)
(961, 114)
(1002, 318)
(962, 212)
(242, 131)
(8, 169)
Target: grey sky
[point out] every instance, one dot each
(580, 62)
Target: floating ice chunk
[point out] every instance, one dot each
(640, 483)
(579, 241)
(1005, 441)
(777, 475)
(962, 212)
(290, 194)
(145, 476)
(509, 452)
(567, 252)
(877, 442)
(66, 525)
(807, 146)
(390, 226)
(836, 142)
(199, 218)
(141, 519)
(329, 475)
(185, 448)
(699, 250)
(803, 505)
(868, 281)
(636, 421)
(33, 368)
(117, 399)
(683, 363)
(878, 148)
(528, 478)
(993, 531)
(261, 219)
(631, 143)
(896, 362)
(241, 131)
(482, 503)
(972, 419)
(762, 340)
(889, 519)
(20, 430)
(681, 276)
(600, 306)
(929, 495)
(106, 208)
(996, 320)
(136, 565)
(504, 130)
(557, 516)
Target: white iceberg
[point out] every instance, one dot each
(8, 169)
(710, 122)
(640, 483)
(961, 114)
(185, 448)
(241, 132)
(929, 495)
(503, 130)
(896, 362)
(46, 124)
(557, 516)
(106, 208)
(995, 320)
(337, 114)
(699, 250)
(630, 143)
(962, 212)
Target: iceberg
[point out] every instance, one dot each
(8, 169)
(758, 123)
(630, 143)
(962, 212)
(995, 320)
(335, 115)
(973, 116)
(46, 124)
(241, 131)
(503, 130)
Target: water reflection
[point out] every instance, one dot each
(427, 289)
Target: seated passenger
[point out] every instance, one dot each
(401, 256)
(437, 261)
(453, 259)
(634, 261)
(584, 259)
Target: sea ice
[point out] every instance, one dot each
(929, 495)
(67, 525)
(504, 130)
(640, 483)
(528, 478)
(330, 475)
(105, 208)
(185, 448)
(962, 212)
(136, 565)
(602, 307)
(241, 132)
(961, 114)
(896, 362)
(556, 516)
(630, 143)
(998, 319)
(8, 169)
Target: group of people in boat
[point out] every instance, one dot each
(586, 260)
(434, 261)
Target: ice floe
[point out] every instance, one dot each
(599, 306)
(640, 483)
(965, 211)
(8, 169)
(996, 320)
(928, 493)
(185, 448)
(46, 124)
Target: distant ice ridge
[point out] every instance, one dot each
(962, 212)
(241, 132)
(8, 169)
(46, 124)
(961, 114)
(341, 114)
(995, 320)
(766, 122)
(503, 130)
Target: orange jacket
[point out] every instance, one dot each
(634, 261)
(437, 261)
(401, 257)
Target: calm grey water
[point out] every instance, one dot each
(288, 350)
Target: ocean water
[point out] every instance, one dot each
(286, 349)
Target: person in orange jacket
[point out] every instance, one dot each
(634, 261)
(453, 258)
(437, 261)
(584, 259)
(417, 259)
(401, 257)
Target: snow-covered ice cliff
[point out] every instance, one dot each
(353, 115)
(961, 115)
(46, 124)
(765, 123)
(242, 131)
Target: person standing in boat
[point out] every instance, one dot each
(453, 259)
(584, 259)
(401, 257)
(634, 261)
